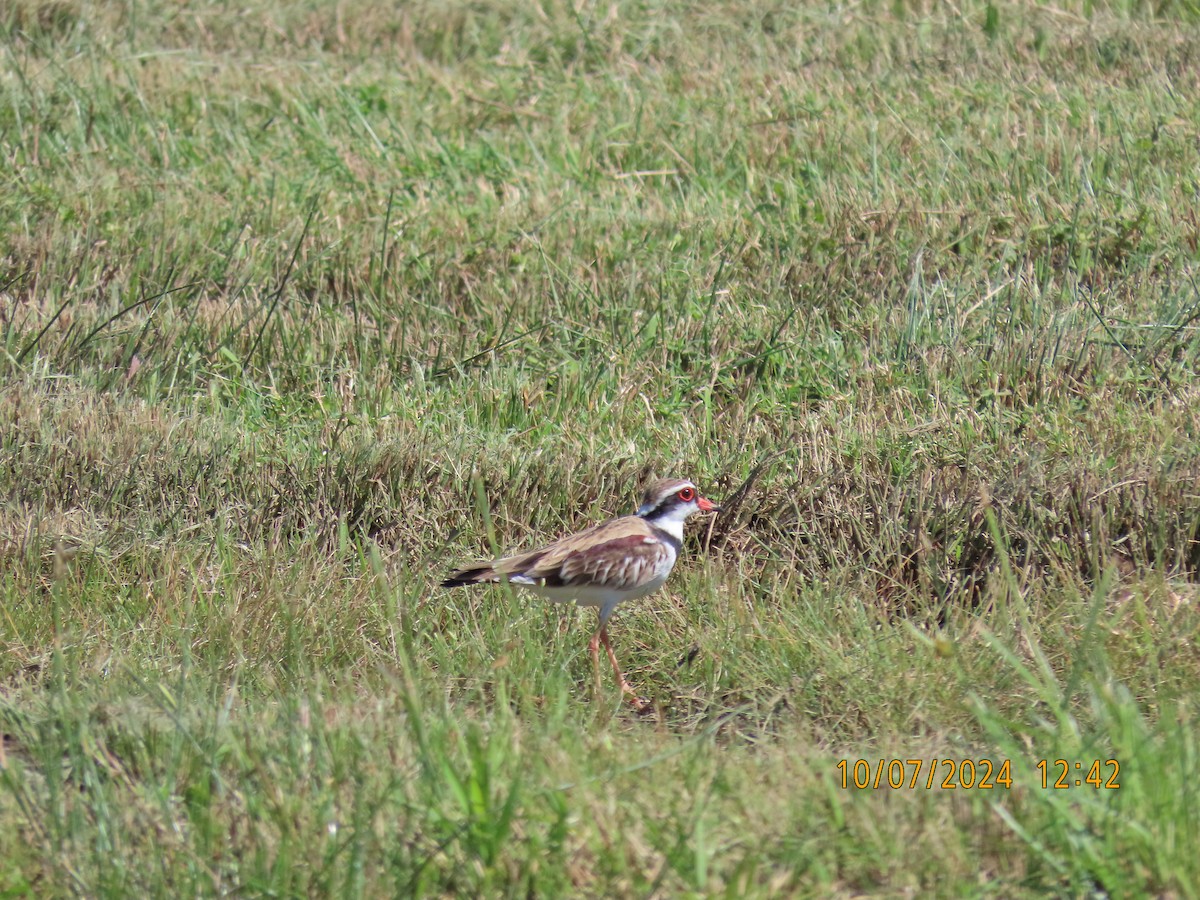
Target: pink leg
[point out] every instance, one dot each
(594, 649)
(602, 636)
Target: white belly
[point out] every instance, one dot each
(588, 594)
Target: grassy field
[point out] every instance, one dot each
(303, 304)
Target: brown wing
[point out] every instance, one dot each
(622, 564)
(621, 553)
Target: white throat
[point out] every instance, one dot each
(672, 521)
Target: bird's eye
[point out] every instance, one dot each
(687, 495)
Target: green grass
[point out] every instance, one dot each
(303, 304)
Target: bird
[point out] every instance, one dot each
(604, 565)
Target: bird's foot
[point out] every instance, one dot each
(642, 705)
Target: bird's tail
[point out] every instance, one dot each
(472, 575)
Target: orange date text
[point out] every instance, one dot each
(927, 774)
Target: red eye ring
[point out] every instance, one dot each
(687, 495)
